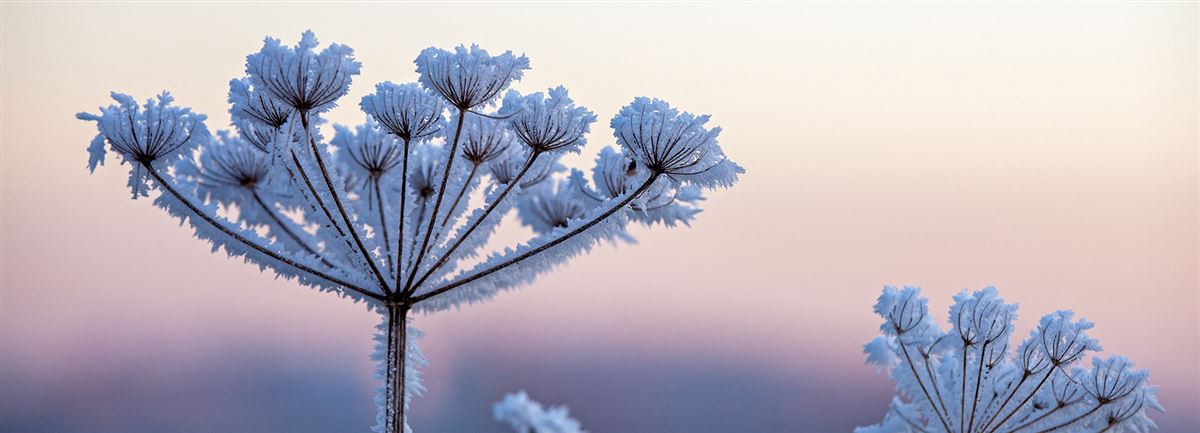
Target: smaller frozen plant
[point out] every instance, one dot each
(528, 416)
(969, 380)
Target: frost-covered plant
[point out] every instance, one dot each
(380, 213)
(525, 415)
(969, 380)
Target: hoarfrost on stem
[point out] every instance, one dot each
(380, 213)
(970, 380)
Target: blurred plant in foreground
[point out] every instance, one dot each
(969, 380)
(527, 416)
(382, 213)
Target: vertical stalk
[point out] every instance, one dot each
(396, 357)
(437, 204)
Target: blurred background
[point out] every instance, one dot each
(1047, 149)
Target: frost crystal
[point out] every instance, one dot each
(380, 212)
(968, 380)
(527, 416)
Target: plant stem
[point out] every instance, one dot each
(458, 197)
(920, 382)
(286, 229)
(403, 202)
(978, 379)
(483, 273)
(396, 358)
(261, 249)
(1016, 409)
(387, 246)
(475, 224)
(437, 205)
(342, 209)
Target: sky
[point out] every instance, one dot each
(1048, 149)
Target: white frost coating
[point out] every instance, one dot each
(527, 416)
(412, 376)
(469, 77)
(375, 213)
(156, 131)
(549, 122)
(969, 380)
(300, 77)
(674, 142)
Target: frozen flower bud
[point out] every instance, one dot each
(248, 104)
(408, 111)
(906, 314)
(485, 140)
(615, 174)
(367, 151)
(549, 206)
(1064, 340)
(155, 131)
(504, 168)
(300, 77)
(548, 122)
(468, 78)
(1113, 379)
(256, 134)
(982, 317)
(668, 141)
(423, 170)
(226, 168)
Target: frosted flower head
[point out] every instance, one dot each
(141, 135)
(1113, 379)
(257, 134)
(905, 313)
(468, 78)
(678, 144)
(227, 166)
(614, 173)
(249, 105)
(366, 150)
(1064, 340)
(301, 78)
(548, 122)
(151, 132)
(485, 140)
(423, 170)
(408, 110)
(982, 317)
(504, 168)
(549, 206)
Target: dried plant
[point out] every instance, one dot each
(379, 213)
(969, 380)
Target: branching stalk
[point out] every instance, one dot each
(341, 208)
(475, 276)
(475, 224)
(264, 250)
(437, 204)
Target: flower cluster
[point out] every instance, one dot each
(969, 380)
(381, 211)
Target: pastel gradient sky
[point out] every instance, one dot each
(1048, 149)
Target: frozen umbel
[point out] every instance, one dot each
(384, 212)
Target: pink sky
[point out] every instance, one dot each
(1050, 150)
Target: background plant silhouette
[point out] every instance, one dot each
(970, 380)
